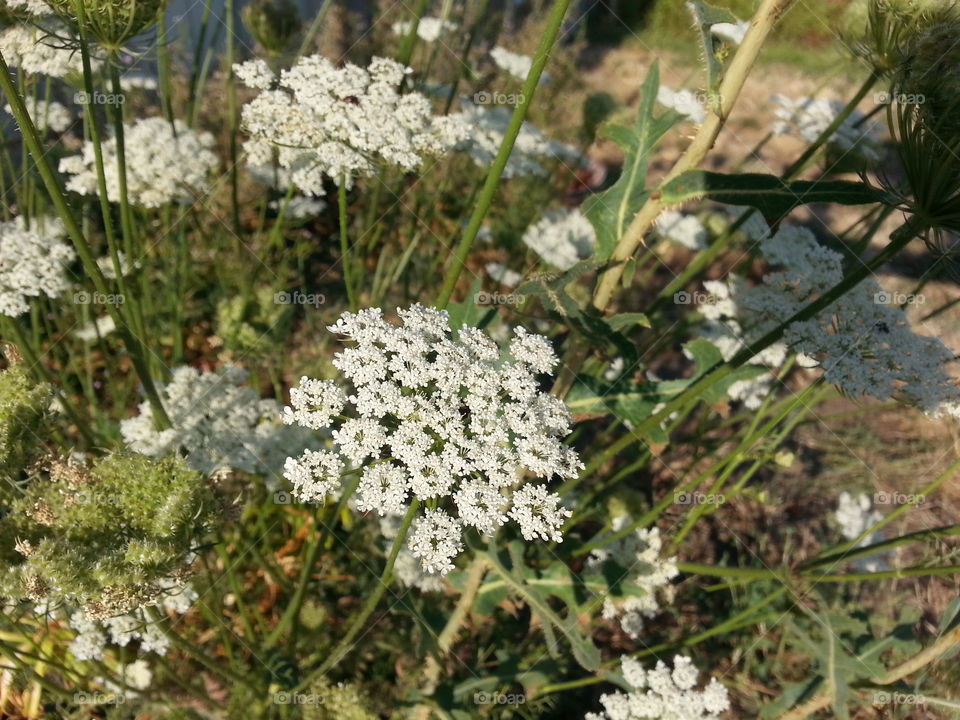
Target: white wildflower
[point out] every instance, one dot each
(162, 165)
(91, 332)
(514, 63)
(46, 115)
(663, 694)
(449, 419)
(561, 237)
(809, 118)
(640, 554)
(217, 422)
(429, 29)
(685, 230)
(486, 128)
(32, 263)
(46, 50)
(685, 102)
(137, 81)
(502, 274)
(855, 516)
(36, 8)
(328, 122)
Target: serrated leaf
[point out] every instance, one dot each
(705, 16)
(611, 211)
(771, 195)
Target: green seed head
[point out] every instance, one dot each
(273, 23)
(111, 23)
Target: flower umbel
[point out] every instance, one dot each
(444, 417)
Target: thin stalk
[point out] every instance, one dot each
(232, 123)
(345, 242)
(52, 184)
(540, 57)
(344, 646)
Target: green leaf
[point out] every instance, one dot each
(705, 16)
(520, 580)
(468, 312)
(771, 195)
(623, 321)
(611, 211)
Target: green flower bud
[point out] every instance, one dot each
(272, 23)
(111, 23)
(23, 409)
(930, 74)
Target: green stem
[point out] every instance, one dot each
(540, 57)
(344, 646)
(59, 200)
(345, 242)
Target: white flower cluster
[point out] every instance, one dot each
(46, 115)
(683, 229)
(325, 121)
(93, 635)
(36, 8)
(863, 345)
(514, 63)
(32, 262)
(809, 117)
(640, 553)
(164, 164)
(502, 274)
(487, 126)
(429, 29)
(448, 420)
(562, 238)
(663, 694)
(217, 422)
(685, 102)
(91, 332)
(44, 50)
(855, 515)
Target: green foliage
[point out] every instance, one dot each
(611, 211)
(705, 17)
(108, 535)
(253, 324)
(772, 196)
(23, 409)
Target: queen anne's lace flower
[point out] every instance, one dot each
(32, 263)
(685, 102)
(447, 419)
(863, 345)
(685, 230)
(561, 237)
(514, 63)
(663, 694)
(429, 29)
(640, 554)
(855, 515)
(324, 121)
(36, 8)
(164, 164)
(219, 424)
(487, 126)
(809, 117)
(46, 49)
(46, 115)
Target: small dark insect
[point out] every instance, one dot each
(352, 99)
(883, 327)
